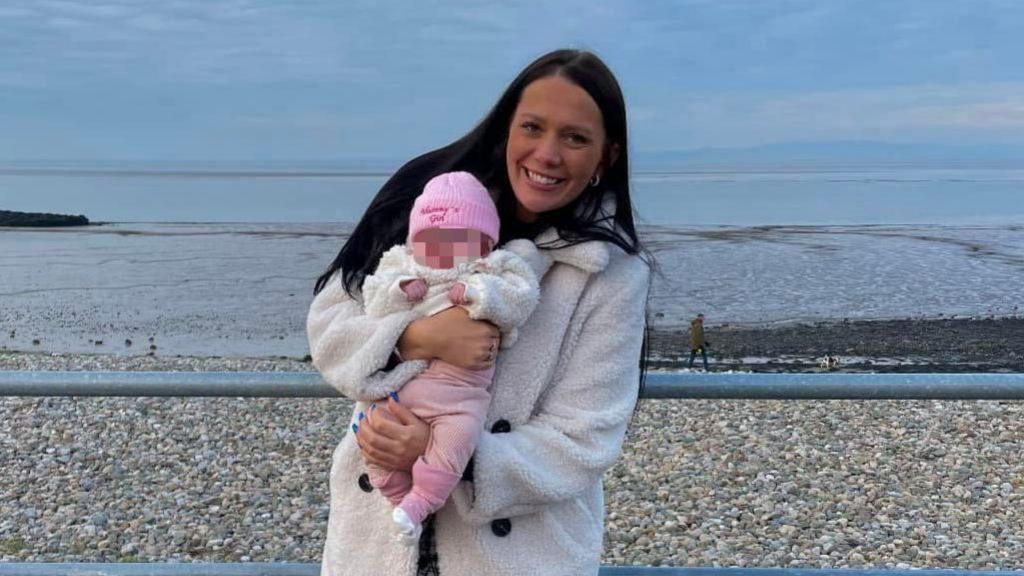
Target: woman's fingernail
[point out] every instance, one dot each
(394, 396)
(355, 428)
(361, 415)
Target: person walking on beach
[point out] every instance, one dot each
(697, 341)
(553, 154)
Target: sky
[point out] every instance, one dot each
(272, 81)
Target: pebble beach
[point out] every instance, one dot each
(882, 484)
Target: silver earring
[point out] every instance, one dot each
(595, 180)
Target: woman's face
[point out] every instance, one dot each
(556, 142)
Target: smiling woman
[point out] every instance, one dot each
(556, 146)
(552, 154)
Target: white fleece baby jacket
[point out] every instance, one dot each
(502, 287)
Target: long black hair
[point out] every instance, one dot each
(481, 152)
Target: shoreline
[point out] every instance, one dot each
(942, 345)
(950, 345)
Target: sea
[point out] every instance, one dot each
(222, 262)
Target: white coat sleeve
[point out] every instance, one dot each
(350, 348)
(506, 295)
(579, 426)
(382, 291)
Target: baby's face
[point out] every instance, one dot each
(448, 247)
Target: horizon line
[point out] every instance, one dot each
(651, 169)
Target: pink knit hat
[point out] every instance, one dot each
(454, 200)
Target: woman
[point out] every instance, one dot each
(553, 153)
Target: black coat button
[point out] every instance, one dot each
(364, 483)
(501, 427)
(501, 527)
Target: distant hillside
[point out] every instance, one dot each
(40, 220)
(849, 153)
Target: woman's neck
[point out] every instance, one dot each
(528, 230)
(524, 215)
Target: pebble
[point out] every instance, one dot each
(700, 482)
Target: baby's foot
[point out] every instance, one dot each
(408, 531)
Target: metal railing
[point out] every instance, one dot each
(304, 569)
(822, 386)
(692, 385)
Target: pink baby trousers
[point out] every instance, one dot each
(454, 402)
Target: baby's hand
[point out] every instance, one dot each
(414, 289)
(457, 294)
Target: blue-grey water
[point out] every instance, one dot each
(743, 248)
(740, 198)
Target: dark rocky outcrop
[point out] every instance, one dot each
(40, 220)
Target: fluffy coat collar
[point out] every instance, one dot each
(591, 256)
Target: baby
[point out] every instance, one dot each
(447, 262)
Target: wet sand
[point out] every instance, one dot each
(887, 346)
(897, 346)
(243, 289)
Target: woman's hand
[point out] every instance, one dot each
(453, 337)
(392, 437)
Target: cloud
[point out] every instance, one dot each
(695, 73)
(65, 23)
(186, 41)
(155, 22)
(925, 106)
(950, 113)
(16, 12)
(21, 79)
(84, 9)
(999, 115)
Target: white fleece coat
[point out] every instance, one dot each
(562, 397)
(501, 287)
